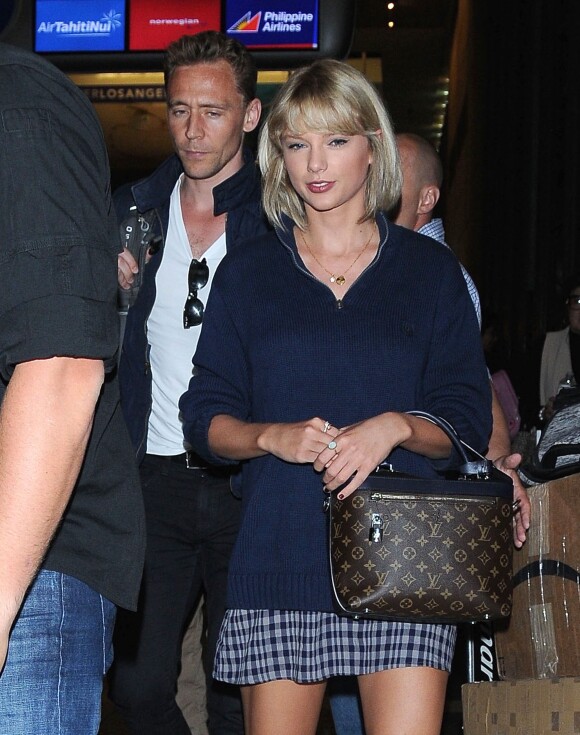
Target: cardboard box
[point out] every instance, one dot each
(526, 707)
(542, 637)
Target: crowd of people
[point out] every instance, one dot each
(286, 321)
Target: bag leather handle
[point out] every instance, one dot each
(479, 467)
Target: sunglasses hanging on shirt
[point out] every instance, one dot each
(197, 278)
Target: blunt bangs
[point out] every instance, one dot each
(320, 100)
(323, 116)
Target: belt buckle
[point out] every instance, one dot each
(192, 461)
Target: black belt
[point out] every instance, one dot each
(192, 461)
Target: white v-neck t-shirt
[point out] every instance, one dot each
(172, 346)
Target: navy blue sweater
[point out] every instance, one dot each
(276, 346)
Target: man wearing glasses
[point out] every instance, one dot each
(205, 199)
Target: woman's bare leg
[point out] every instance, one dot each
(282, 708)
(407, 701)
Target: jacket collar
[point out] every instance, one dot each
(154, 191)
(241, 186)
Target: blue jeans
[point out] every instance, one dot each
(345, 706)
(58, 653)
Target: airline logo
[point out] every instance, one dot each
(247, 24)
(107, 24)
(85, 25)
(153, 24)
(274, 23)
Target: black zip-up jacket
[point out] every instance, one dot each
(239, 196)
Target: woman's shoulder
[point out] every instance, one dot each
(249, 256)
(411, 239)
(555, 338)
(420, 254)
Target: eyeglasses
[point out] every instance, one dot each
(573, 301)
(196, 279)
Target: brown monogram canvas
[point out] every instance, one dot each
(420, 558)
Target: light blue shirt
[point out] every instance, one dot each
(435, 230)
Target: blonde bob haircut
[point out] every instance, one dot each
(327, 97)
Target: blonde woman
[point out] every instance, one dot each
(329, 330)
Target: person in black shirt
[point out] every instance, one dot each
(71, 517)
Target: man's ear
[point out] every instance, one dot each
(252, 115)
(428, 198)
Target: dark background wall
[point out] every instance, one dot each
(511, 151)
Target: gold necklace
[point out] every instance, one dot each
(340, 280)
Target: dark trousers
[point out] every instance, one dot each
(192, 520)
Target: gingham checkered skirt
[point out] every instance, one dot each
(255, 646)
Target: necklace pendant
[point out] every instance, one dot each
(332, 279)
(340, 280)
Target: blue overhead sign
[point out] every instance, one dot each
(275, 24)
(80, 25)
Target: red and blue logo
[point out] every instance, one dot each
(277, 24)
(248, 23)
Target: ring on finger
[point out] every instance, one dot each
(326, 427)
(332, 445)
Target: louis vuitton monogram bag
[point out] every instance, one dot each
(424, 550)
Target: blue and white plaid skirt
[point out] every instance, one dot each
(256, 646)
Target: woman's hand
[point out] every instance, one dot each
(300, 442)
(359, 449)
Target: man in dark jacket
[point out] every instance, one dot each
(203, 201)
